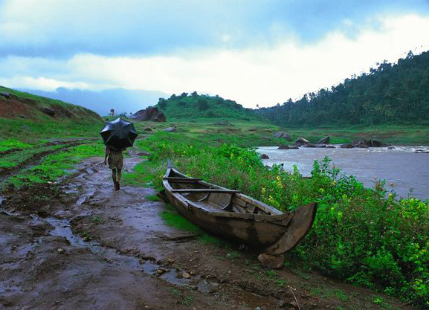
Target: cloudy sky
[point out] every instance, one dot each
(252, 51)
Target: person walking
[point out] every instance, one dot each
(115, 159)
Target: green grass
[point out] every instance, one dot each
(17, 158)
(360, 235)
(233, 255)
(328, 293)
(271, 274)
(142, 174)
(392, 134)
(43, 101)
(31, 132)
(13, 144)
(69, 121)
(258, 133)
(54, 166)
(205, 131)
(97, 219)
(152, 198)
(172, 218)
(204, 107)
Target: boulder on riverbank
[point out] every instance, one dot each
(324, 140)
(360, 144)
(283, 147)
(281, 134)
(309, 145)
(149, 114)
(264, 156)
(301, 142)
(364, 143)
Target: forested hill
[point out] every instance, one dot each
(391, 93)
(196, 106)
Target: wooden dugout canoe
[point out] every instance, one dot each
(235, 216)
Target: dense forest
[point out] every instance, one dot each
(389, 94)
(197, 106)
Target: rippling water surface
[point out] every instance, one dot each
(401, 167)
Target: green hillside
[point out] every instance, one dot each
(29, 117)
(196, 107)
(389, 94)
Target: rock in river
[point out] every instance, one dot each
(324, 140)
(301, 141)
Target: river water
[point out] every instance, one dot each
(403, 169)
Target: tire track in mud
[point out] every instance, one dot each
(49, 143)
(36, 158)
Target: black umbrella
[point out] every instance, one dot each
(118, 134)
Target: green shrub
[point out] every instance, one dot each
(365, 236)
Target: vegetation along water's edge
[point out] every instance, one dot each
(362, 236)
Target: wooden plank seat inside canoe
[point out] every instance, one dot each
(212, 201)
(181, 180)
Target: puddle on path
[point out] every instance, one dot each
(169, 275)
(62, 228)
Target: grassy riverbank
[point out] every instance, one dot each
(391, 134)
(362, 236)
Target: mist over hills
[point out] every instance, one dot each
(122, 100)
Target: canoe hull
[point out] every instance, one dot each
(273, 234)
(255, 234)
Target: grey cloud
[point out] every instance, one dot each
(162, 27)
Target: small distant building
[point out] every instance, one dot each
(112, 112)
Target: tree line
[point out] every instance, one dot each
(388, 94)
(196, 105)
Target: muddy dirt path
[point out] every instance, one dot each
(89, 247)
(37, 156)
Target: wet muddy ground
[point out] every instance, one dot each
(85, 246)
